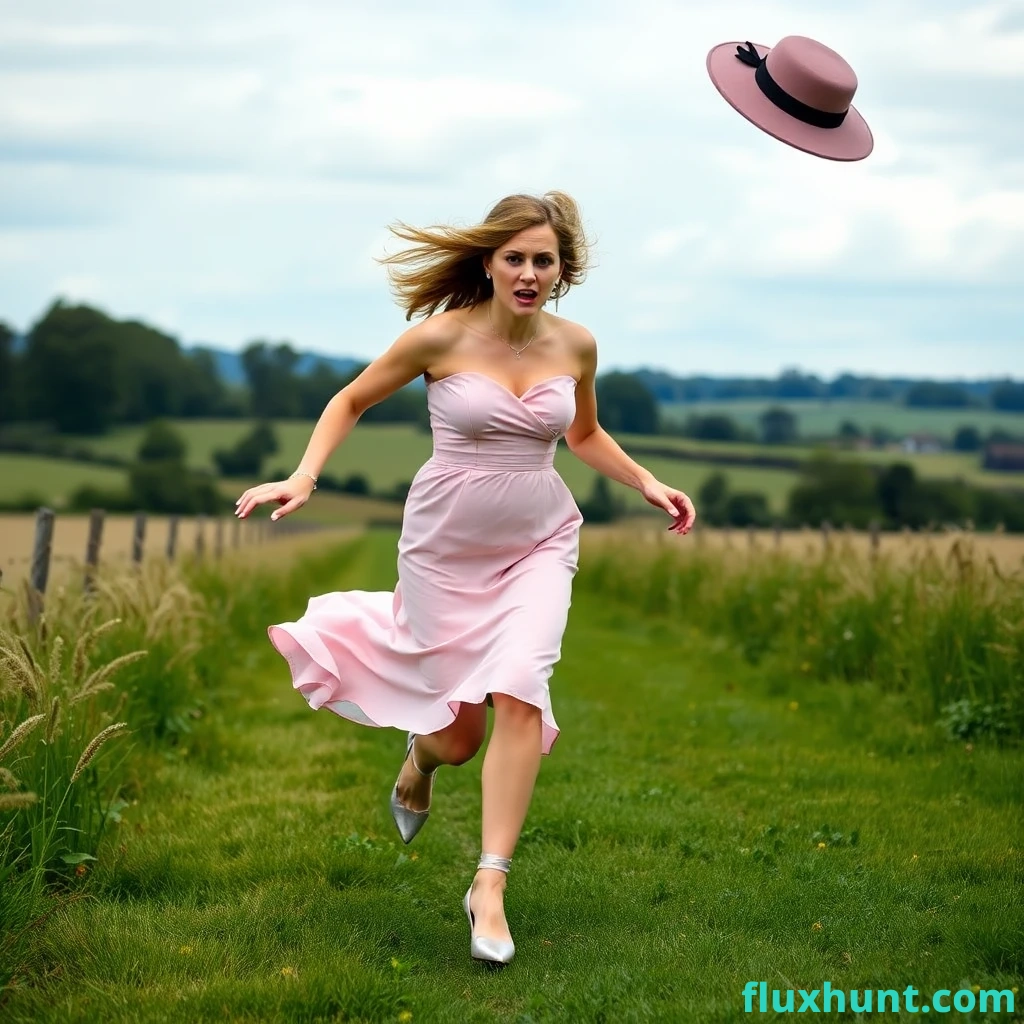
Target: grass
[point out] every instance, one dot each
(386, 454)
(823, 419)
(701, 822)
(51, 479)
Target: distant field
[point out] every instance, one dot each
(821, 419)
(51, 479)
(388, 454)
(938, 465)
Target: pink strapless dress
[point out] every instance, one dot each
(486, 558)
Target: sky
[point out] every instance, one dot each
(227, 172)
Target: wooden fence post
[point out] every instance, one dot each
(138, 538)
(875, 537)
(40, 571)
(200, 539)
(236, 531)
(751, 537)
(778, 535)
(826, 530)
(92, 549)
(172, 538)
(218, 545)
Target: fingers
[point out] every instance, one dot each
(684, 512)
(289, 506)
(256, 496)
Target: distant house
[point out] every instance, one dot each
(918, 444)
(1004, 458)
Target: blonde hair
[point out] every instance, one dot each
(444, 268)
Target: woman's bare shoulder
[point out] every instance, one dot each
(577, 339)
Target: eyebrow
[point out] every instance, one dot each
(519, 252)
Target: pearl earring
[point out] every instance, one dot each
(488, 276)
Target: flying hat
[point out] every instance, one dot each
(800, 92)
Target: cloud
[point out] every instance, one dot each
(235, 166)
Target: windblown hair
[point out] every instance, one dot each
(444, 268)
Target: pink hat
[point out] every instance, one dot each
(800, 92)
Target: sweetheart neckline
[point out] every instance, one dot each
(497, 383)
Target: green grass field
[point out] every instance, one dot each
(51, 479)
(385, 454)
(822, 419)
(700, 823)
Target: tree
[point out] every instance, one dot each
(1008, 395)
(836, 490)
(967, 439)
(273, 385)
(162, 443)
(713, 427)
(933, 394)
(747, 508)
(778, 425)
(712, 497)
(601, 506)
(625, 405)
(9, 390)
(69, 370)
(246, 458)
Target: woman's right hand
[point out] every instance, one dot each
(290, 494)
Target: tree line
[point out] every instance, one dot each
(80, 371)
(1004, 394)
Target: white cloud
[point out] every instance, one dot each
(235, 166)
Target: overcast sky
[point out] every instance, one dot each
(227, 172)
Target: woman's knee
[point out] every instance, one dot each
(465, 736)
(513, 710)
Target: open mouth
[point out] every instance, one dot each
(525, 295)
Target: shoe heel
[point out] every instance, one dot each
(492, 952)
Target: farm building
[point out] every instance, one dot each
(1006, 458)
(917, 443)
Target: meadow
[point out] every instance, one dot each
(728, 801)
(390, 454)
(386, 454)
(823, 419)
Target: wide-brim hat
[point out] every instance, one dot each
(799, 91)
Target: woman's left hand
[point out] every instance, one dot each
(674, 502)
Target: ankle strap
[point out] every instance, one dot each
(411, 751)
(491, 860)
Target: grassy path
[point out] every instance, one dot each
(698, 824)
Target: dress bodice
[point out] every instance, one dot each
(476, 421)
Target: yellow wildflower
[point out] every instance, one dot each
(821, 846)
(793, 705)
(816, 927)
(405, 1016)
(288, 972)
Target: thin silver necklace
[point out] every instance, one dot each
(517, 351)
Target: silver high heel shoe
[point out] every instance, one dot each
(409, 822)
(496, 952)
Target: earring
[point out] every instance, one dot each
(488, 276)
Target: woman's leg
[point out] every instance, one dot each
(454, 744)
(510, 770)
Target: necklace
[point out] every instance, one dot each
(516, 351)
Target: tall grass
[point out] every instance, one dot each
(92, 686)
(949, 634)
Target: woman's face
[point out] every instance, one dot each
(525, 269)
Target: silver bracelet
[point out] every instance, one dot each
(302, 472)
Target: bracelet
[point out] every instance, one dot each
(302, 472)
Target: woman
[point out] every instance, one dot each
(490, 532)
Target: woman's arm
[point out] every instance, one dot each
(593, 445)
(407, 358)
